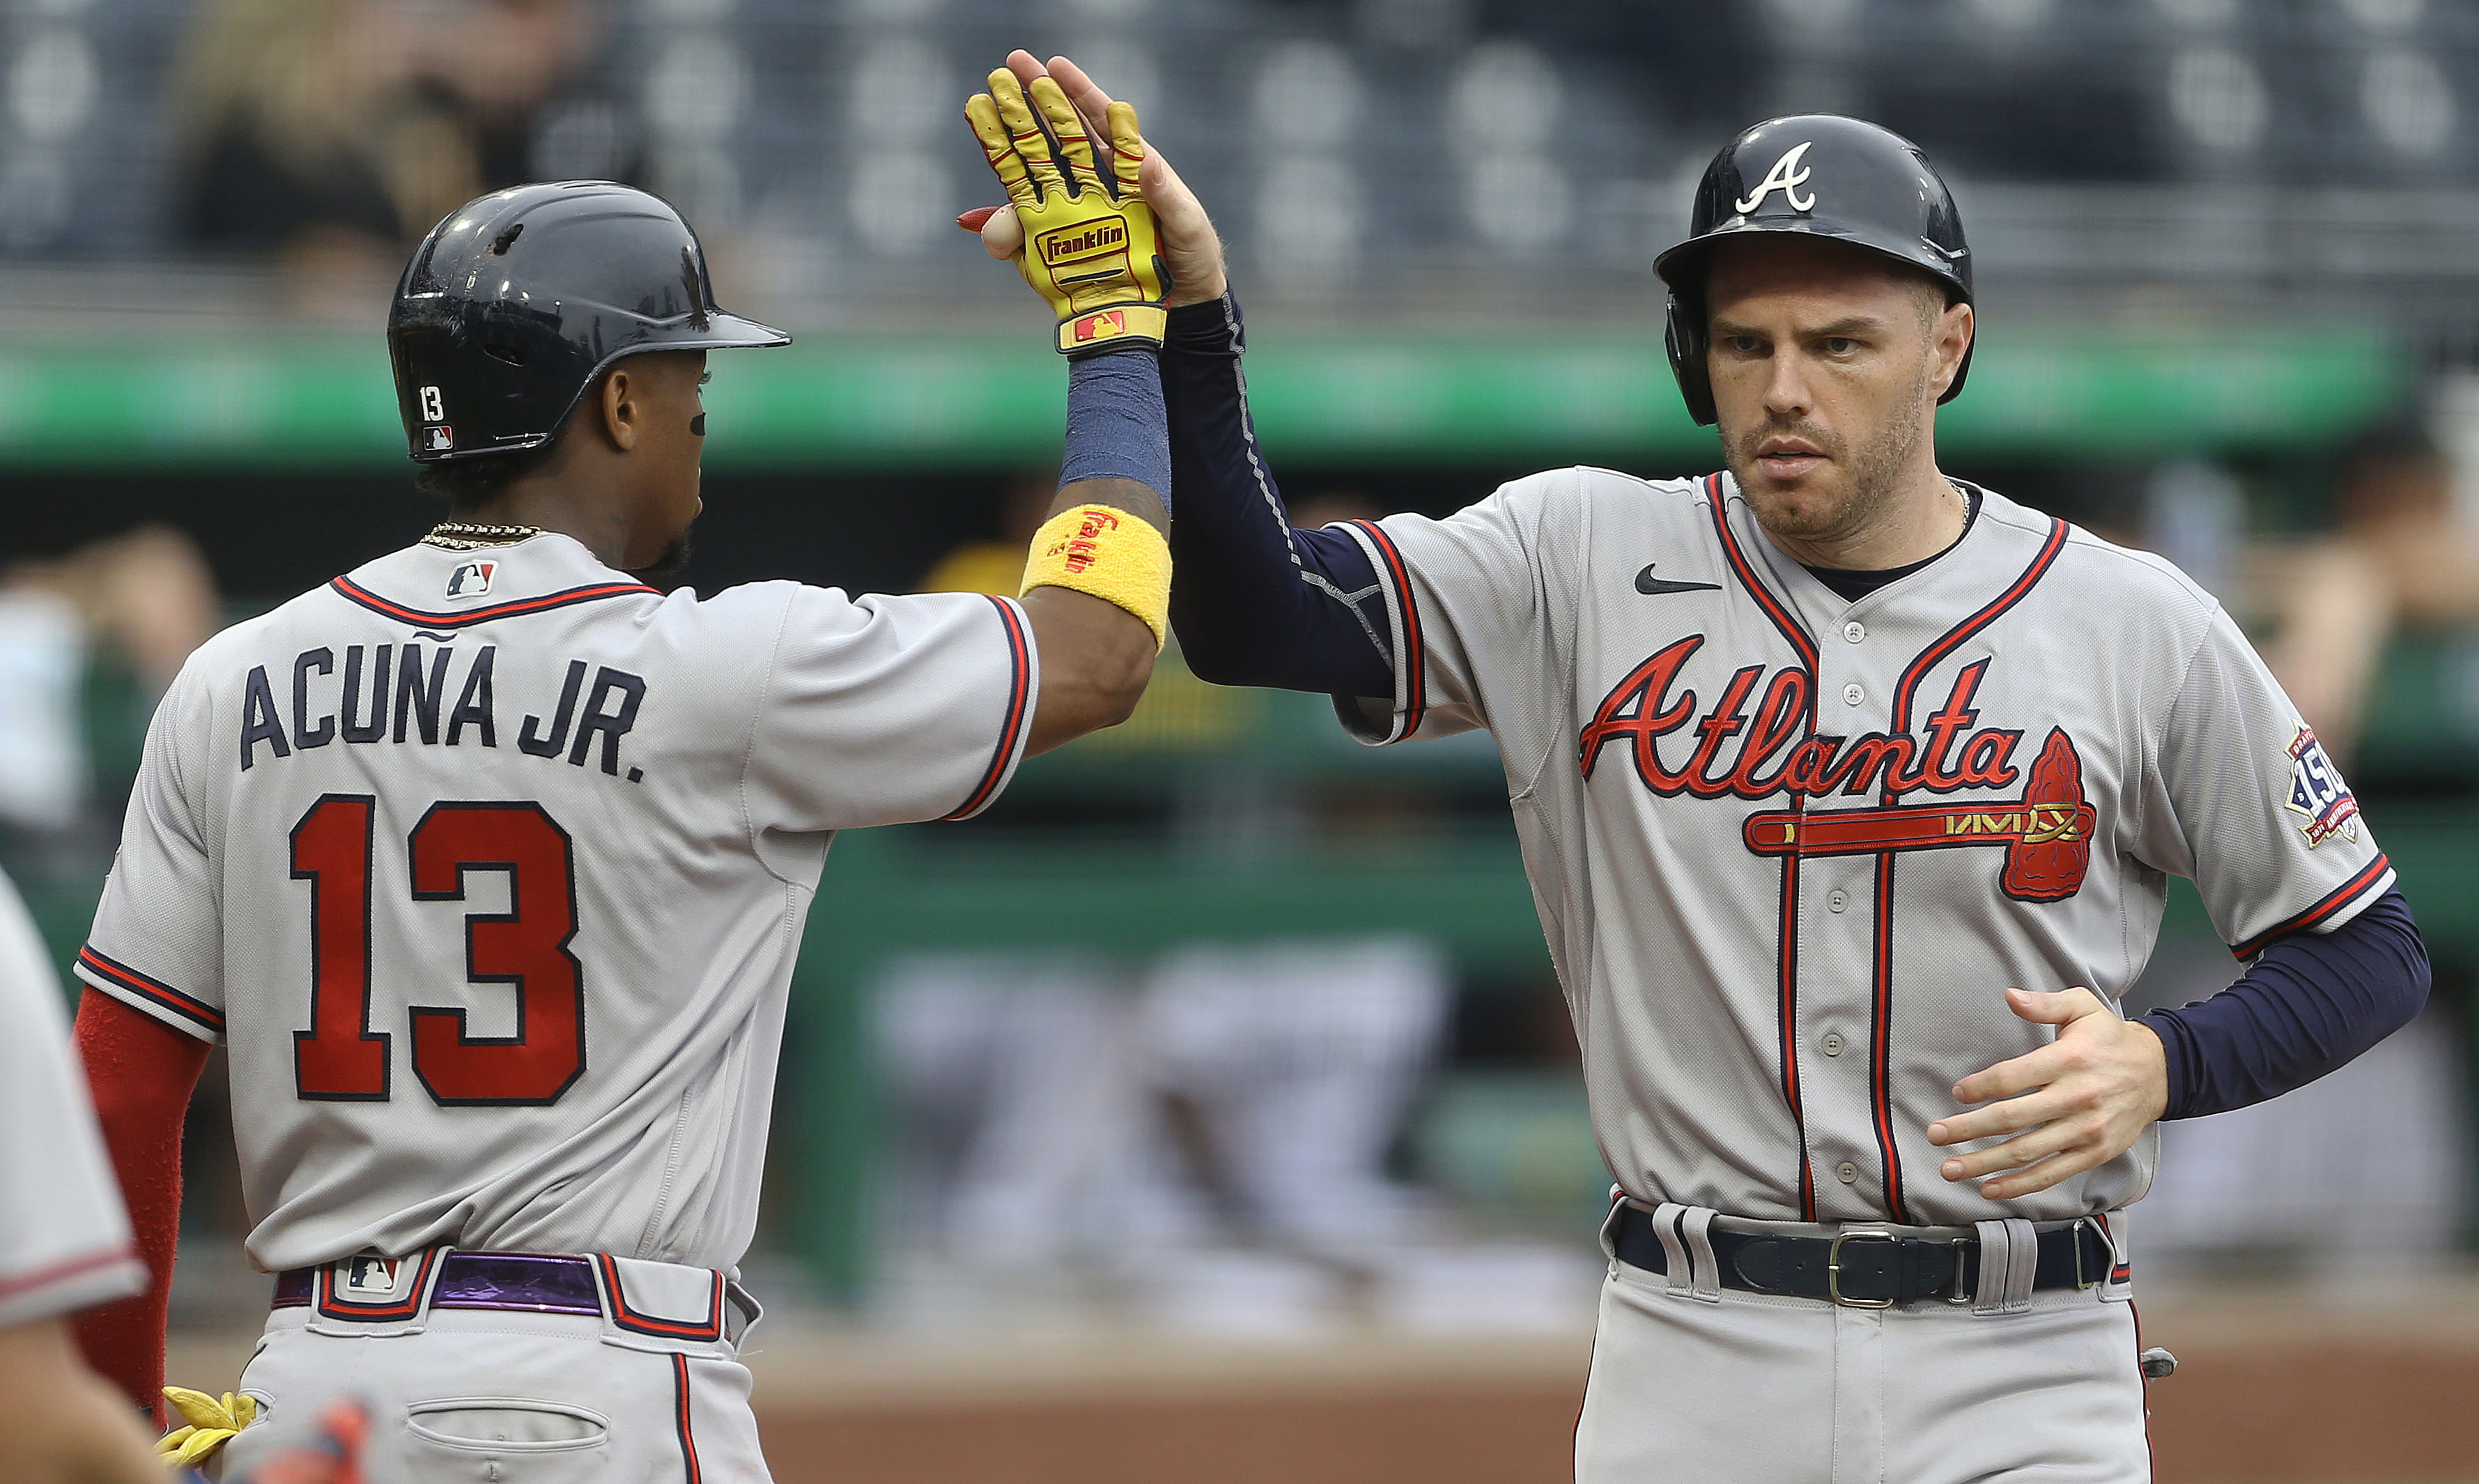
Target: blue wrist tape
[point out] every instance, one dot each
(1116, 427)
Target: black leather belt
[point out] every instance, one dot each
(1870, 1269)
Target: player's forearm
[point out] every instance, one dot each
(1258, 602)
(1096, 655)
(2310, 1003)
(141, 1073)
(67, 1426)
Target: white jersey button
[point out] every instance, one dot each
(1837, 901)
(1833, 1045)
(1846, 1173)
(1853, 693)
(1854, 630)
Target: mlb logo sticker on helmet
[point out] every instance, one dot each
(438, 439)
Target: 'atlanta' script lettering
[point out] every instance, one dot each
(1771, 755)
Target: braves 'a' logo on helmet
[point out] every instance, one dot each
(1786, 176)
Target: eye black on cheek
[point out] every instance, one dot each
(697, 424)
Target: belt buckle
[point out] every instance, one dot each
(1956, 1294)
(2077, 1233)
(1833, 1266)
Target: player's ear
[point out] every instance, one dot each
(618, 403)
(1954, 331)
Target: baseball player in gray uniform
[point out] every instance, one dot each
(64, 1239)
(489, 862)
(1848, 793)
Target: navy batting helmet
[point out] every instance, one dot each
(514, 304)
(1825, 175)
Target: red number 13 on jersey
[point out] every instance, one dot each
(340, 1058)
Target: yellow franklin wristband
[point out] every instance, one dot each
(1109, 553)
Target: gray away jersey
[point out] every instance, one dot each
(1790, 850)
(64, 1235)
(491, 867)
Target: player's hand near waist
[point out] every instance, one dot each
(1188, 239)
(2073, 1105)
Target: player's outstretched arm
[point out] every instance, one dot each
(1097, 579)
(66, 1425)
(1259, 603)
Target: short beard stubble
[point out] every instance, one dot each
(1874, 467)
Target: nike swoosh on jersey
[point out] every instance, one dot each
(1648, 584)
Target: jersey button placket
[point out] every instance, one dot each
(1832, 1044)
(1853, 693)
(1847, 1173)
(1854, 630)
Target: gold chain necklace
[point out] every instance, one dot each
(466, 535)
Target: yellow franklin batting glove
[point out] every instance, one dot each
(211, 1424)
(1090, 249)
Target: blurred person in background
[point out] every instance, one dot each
(2400, 557)
(331, 134)
(2384, 1139)
(87, 642)
(139, 603)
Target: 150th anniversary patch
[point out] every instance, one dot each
(2317, 791)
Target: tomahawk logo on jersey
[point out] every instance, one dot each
(501, 898)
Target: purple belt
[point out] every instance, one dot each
(535, 1282)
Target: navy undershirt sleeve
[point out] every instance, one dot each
(1256, 603)
(2309, 1003)
(1114, 422)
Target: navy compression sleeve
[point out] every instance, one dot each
(1256, 603)
(2307, 1004)
(1114, 422)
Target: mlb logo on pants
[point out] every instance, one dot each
(369, 1275)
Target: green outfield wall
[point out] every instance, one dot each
(955, 402)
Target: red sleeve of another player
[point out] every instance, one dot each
(142, 1072)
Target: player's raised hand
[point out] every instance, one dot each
(1090, 249)
(2079, 1102)
(1188, 241)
